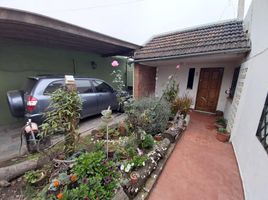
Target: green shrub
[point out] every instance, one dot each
(97, 177)
(149, 114)
(147, 142)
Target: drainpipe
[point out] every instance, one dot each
(126, 74)
(240, 9)
(74, 67)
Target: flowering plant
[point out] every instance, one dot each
(97, 177)
(119, 82)
(135, 162)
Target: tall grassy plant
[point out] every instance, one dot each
(63, 116)
(182, 105)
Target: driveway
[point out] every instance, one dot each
(11, 139)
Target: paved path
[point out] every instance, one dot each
(200, 167)
(10, 139)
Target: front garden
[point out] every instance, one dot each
(115, 161)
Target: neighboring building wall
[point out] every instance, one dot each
(19, 60)
(144, 80)
(251, 156)
(182, 76)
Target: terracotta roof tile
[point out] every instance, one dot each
(204, 39)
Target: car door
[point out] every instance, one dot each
(89, 98)
(105, 94)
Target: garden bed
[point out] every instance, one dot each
(118, 161)
(149, 172)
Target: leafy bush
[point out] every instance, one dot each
(97, 177)
(147, 142)
(149, 114)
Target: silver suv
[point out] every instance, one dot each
(34, 100)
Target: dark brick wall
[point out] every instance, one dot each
(144, 80)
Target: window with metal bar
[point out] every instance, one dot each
(262, 132)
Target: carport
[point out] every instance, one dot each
(32, 44)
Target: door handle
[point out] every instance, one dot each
(204, 99)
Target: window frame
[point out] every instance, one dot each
(190, 82)
(48, 94)
(234, 82)
(95, 89)
(90, 85)
(263, 124)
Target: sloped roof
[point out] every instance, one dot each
(37, 29)
(221, 37)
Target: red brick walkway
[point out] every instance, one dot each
(200, 167)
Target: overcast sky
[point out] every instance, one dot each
(135, 21)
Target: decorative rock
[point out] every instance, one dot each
(120, 195)
(4, 183)
(150, 165)
(187, 120)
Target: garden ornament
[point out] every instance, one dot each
(106, 118)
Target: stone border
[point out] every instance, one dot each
(152, 180)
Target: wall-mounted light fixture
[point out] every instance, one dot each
(93, 65)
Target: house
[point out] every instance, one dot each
(223, 66)
(209, 58)
(32, 44)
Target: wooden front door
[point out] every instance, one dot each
(208, 89)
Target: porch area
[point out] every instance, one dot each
(200, 167)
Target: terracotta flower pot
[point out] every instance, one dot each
(97, 134)
(223, 137)
(123, 157)
(169, 124)
(218, 125)
(111, 152)
(134, 177)
(122, 129)
(158, 137)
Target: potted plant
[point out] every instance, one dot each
(223, 135)
(98, 135)
(122, 128)
(220, 123)
(134, 177)
(158, 137)
(115, 134)
(111, 150)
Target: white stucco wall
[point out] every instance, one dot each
(163, 72)
(251, 156)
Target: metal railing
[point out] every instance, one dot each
(262, 132)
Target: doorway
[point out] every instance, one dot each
(209, 89)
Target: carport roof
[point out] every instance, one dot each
(224, 37)
(41, 30)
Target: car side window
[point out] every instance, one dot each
(83, 86)
(101, 86)
(52, 87)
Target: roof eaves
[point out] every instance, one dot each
(240, 50)
(26, 17)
